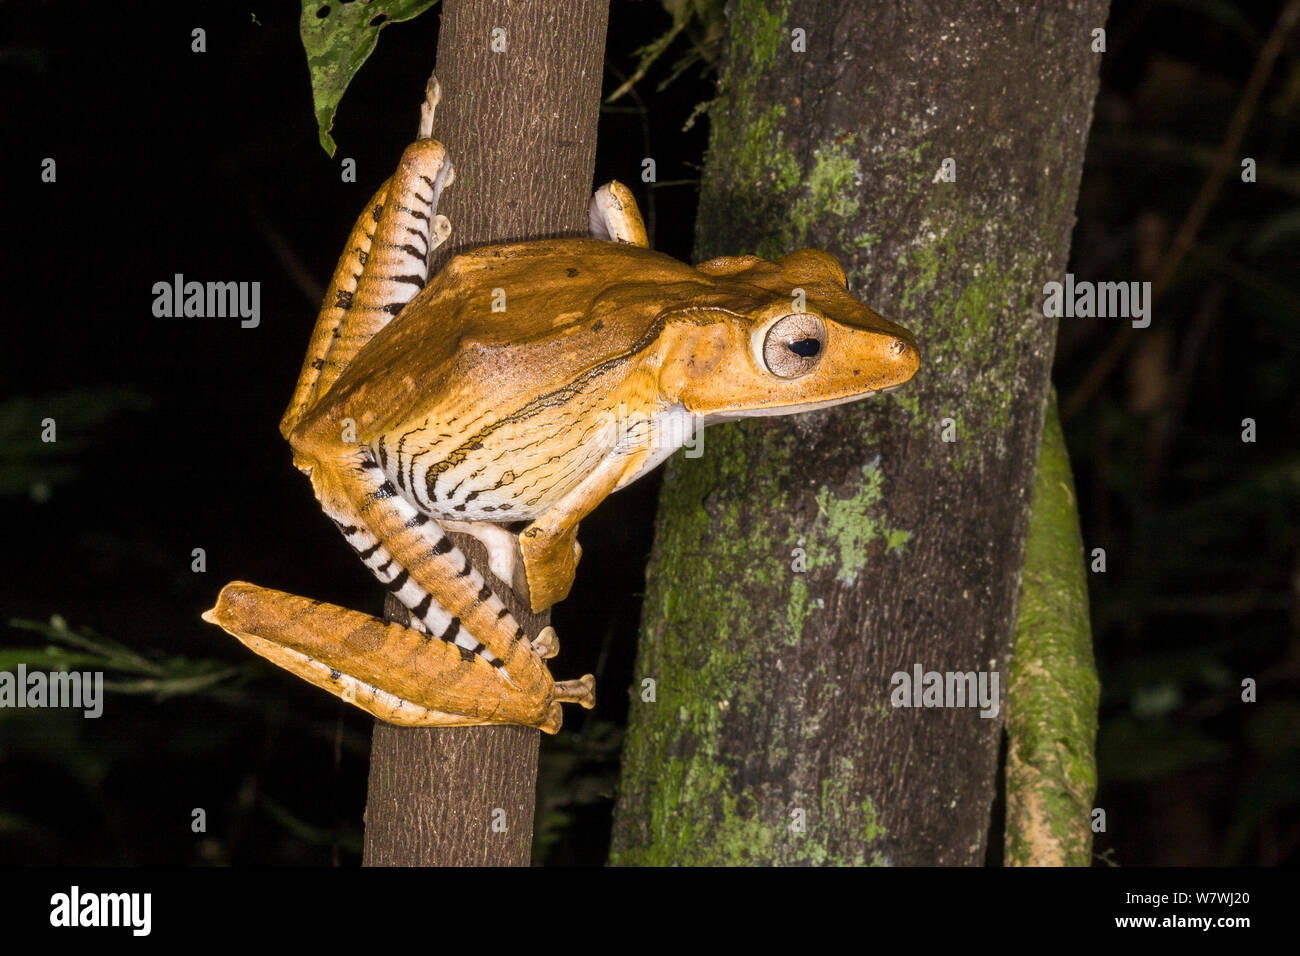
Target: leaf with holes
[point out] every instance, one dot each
(338, 35)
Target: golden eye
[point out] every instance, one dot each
(794, 344)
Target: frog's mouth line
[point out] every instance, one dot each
(716, 417)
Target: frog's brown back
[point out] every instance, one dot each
(515, 321)
(483, 414)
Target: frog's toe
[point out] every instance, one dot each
(432, 97)
(441, 231)
(546, 644)
(581, 691)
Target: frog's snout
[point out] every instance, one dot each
(905, 356)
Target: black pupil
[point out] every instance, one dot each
(806, 348)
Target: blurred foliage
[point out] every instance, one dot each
(577, 770)
(168, 726)
(32, 466)
(698, 26)
(1200, 528)
(84, 650)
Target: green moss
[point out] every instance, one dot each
(1053, 691)
(845, 529)
(783, 204)
(979, 317)
(763, 158)
(895, 540)
(834, 180)
(762, 34)
(705, 624)
(797, 610)
(907, 401)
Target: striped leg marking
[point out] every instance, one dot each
(411, 554)
(385, 266)
(481, 670)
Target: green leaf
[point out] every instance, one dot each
(338, 37)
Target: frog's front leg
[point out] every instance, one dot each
(549, 544)
(613, 215)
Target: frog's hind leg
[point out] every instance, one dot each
(386, 264)
(426, 683)
(412, 555)
(613, 215)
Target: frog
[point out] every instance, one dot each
(505, 397)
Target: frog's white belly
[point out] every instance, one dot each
(670, 430)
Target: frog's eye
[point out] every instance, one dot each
(794, 344)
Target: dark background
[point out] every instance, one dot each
(208, 165)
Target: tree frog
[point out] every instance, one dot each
(506, 397)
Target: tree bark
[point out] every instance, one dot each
(772, 737)
(520, 128)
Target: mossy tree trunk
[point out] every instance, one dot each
(801, 562)
(1052, 693)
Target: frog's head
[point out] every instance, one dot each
(776, 338)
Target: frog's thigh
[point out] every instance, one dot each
(613, 215)
(334, 308)
(427, 683)
(385, 265)
(412, 556)
(549, 545)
